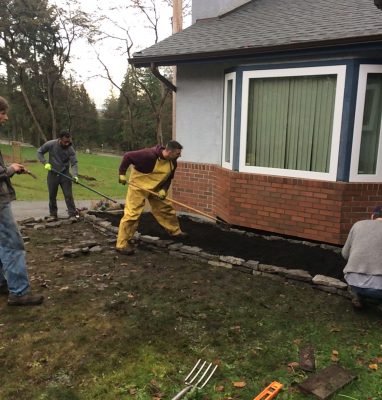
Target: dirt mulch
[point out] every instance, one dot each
(214, 240)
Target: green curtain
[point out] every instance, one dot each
(228, 120)
(371, 125)
(290, 122)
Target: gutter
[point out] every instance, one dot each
(173, 59)
(157, 74)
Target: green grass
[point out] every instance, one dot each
(103, 168)
(118, 328)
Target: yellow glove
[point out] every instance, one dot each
(162, 194)
(75, 178)
(122, 179)
(48, 166)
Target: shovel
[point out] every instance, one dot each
(201, 370)
(223, 224)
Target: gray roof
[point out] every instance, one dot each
(268, 25)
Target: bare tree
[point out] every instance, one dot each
(149, 10)
(36, 54)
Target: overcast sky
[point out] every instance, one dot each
(84, 64)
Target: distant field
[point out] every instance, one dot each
(103, 168)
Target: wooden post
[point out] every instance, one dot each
(177, 16)
(177, 26)
(16, 152)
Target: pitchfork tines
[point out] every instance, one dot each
(200, 374)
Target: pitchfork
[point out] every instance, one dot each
(201, 370)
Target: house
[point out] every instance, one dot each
(278, 106)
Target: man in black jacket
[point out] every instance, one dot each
(14, 279)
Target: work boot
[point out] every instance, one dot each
(25, 300)
(4, 289)
(51, 218)
(126, 251)
(357, 303)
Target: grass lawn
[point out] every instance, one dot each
(103, 168)
(115, 327)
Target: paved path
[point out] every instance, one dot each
(39, 209)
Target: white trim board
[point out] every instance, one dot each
(364, 70)
(228, 77)
(340, 71)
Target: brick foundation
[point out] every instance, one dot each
(309, 209)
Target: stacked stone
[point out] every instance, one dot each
(252, 267)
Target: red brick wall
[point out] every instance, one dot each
(309, 209)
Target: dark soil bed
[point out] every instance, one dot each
(214, 240)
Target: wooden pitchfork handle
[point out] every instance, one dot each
(176, 202)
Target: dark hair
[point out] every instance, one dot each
(173, 145)
(66, 134)
(377, 212)
(3, 104)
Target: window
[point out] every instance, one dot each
(228, 125)
(367, 144)
(291, 121)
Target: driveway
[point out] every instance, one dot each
(39, 209)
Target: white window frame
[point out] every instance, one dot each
(228, 77)
(364, 70)
(340, 71)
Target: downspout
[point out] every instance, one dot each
(157, 74)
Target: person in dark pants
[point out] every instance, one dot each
(62, 156)
(363, 252)
(14, 280)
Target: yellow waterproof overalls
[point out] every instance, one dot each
(162, 210)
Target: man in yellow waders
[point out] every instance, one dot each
(153, 169)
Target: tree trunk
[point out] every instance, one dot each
(50, 87)
(159, 129)
(30, 108)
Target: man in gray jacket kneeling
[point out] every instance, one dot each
(363, 252)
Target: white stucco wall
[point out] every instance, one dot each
(212, 8)
(199, 109)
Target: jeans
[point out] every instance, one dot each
(13, 269)
(367, 292)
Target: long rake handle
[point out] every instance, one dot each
(81, 184)
(176, 202)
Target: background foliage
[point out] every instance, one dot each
(36, 41)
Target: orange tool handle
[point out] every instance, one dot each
(270, 392)
(175, 202)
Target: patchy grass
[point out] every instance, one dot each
(115, 327)
(104, 169)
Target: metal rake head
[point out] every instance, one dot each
(200, 374)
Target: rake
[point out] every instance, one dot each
(200, 374)
(224, 225)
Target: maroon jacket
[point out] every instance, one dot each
(144, 161)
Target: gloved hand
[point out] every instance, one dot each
(162, 194)
(48, 166)
(75, 178)
(122, 179)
